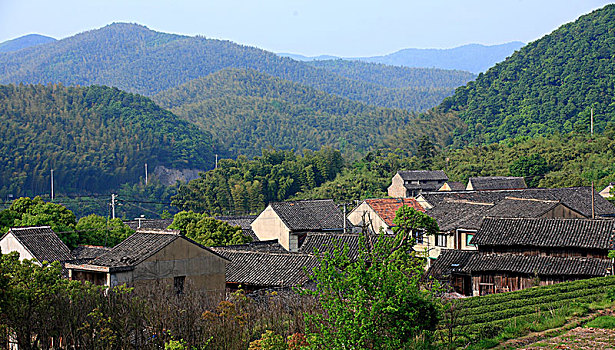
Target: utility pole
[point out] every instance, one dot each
(593, 202)
(591, 118)
(345, 218)
(52, 184)
(216, 167)
(113, 205)
(145, 174)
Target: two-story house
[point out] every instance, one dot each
(411, 183)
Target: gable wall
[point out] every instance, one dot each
(397, 189)
(202, 269)
(10, 244)
(356, 218)
(268, 225)
(562, 211)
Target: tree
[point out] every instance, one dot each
(425, 152)
(97, 230)
(532, 168)
(379, 300)
(207, 230)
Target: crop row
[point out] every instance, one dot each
(498, 299)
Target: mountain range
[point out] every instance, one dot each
(25, 42)
(475, 58)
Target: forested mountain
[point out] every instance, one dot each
(136, 59)
(474, 58)
(95, 138)
(396, 76)
(548, 86)
(25, 41)
(247, 111)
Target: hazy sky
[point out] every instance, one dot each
(310, 27)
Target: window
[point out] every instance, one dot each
(178, 284)
(441, 240)
(419, 237)
(468, 239)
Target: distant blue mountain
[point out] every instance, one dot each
(474, 58)
(24, 42)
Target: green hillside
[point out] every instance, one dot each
(548, 86)
(395, 76)
(136, 59)
(247, 111)
(95, 139)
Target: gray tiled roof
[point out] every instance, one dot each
(86, 253)
(324, 242)
(424, 175)
(561, 233)
(496, 183)
(310, 215)
(269, 246)
(576, 198)
(155, 224)
(42, 243)
(450, 260)
(534, 264)
(265, 269)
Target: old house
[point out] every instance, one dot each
(517, 253)
(38, 243)
(149, 257)
(606, 192)
(491, 183)
(289, 222)
(460, 214)
(243, 221)
(378, 214)
(413, 182)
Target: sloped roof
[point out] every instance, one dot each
(424, 175)
(42, 243)
(456, 214)
(496, 183)
(450, 260)
(86, 253)
(561, 233)
(576, 198)
(154, 224)
(264, 269)
(269, 246)
(138, 247)
(386, 208)
(535, 264)
(323, 242)
(310, 215)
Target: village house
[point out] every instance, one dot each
(606, 192)
(460, 214)
(517, 253)
(491, 183)
(149, 257)
(289, 222)
(37, 243)
(413, 182)
(378, 214)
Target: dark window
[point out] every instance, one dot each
(419, 237)
(178, 284)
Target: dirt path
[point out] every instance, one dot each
(570, 336)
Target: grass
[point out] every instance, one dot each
(605, 322)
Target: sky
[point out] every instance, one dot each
(309, 27)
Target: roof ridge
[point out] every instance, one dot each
(28, 227)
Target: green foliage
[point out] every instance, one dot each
(548, 86)
(269, 341)
(605, 322)
(207, 230)
(377, 301)
(425, 152)
(409, 220)
(532, 168)
(97, 230)
(112, 134)
(245, 186)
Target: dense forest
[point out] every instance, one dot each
(94, 138)
(548, 86)
(136, 59)
(247, 111)
(24, 42)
